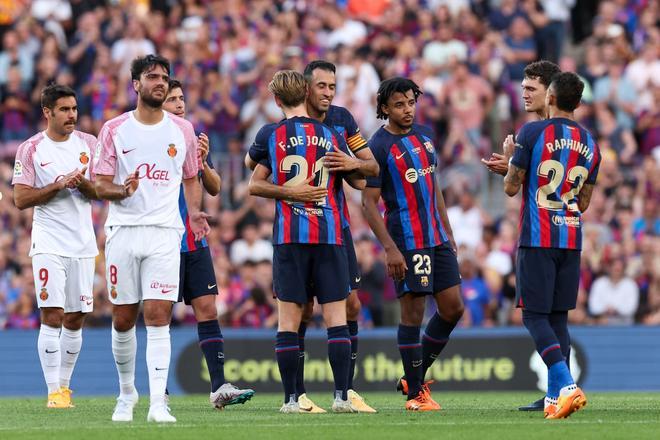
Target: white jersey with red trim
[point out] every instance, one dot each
(63, 226)
(162, 153)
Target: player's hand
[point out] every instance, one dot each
(497, 164)
(203, 146)
(72, 180)
(304, 192)
(199, 224)
(508, 146)
(131, 183)
(338, 161)
(396, 264)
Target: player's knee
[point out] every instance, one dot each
(73, 321)
(456, 312)
(353, 308)
(412, 316)
(122, 324)
(52, 317)
(207, 312)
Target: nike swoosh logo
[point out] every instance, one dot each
(211, 286)
(89, 302)
(51, 352)
(44, 164)
(121, 363)
(416, 364)
(357, 279)
(160, 369)
(166, 291)
(399, 156)
(126, 151)
(75, 352)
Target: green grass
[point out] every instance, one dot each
(487, 416)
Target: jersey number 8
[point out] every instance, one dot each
(567, 198)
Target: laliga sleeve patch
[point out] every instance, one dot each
(18, 169)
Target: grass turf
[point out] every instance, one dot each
(487, 415)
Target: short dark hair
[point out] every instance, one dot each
(142, 64)
(318, 64)
(391, 86)
(174, 84)
(567, 88)
(543, 70)
(52, 92)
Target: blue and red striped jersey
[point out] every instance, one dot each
(293, 150)
(188, 243)
(341, 120)
(407, 168)
(559, 156)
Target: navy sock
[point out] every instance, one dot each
(411, 357)
(548, 346)
(353, 331)
(212, 345)
(286, 352)
(559, 324)
(434, 339)
(300, 377)
(339, 354)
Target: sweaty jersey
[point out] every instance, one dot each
(407, 168)
(63, 226)
(163, 154)
(341, 120)
(188, 243)
(559, 156)
(293, 150)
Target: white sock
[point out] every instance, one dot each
(124, 349)
(568, 389)
(159, 350)
(49, 355)
(70, 343)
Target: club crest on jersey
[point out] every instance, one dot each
(84, 158)
(44, 294)
(113, 292)
(424, 281)
(171, 150)
(429, 147)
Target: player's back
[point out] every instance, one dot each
(560, 156)
(294, 150)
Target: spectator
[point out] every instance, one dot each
(614, 297)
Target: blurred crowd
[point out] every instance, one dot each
(468, 57)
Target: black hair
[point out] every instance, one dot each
(543, 70)
(391, 86)
(142, 64)
(567, 88)
(174, 84)
(51, 93)
(318, 64)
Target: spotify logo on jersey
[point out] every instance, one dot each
(411, 175)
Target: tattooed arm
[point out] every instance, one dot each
(513, 180)
(584, 197)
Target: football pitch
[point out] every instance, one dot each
(485, 415)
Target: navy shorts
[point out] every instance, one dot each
(547, 280)
(353, 268)
(196, 275)
(430, 270)
(302, 271)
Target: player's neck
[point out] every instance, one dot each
(55, 136)
(297, 111)
(397, 129)
(542, 114)
(554, 112)
(319, 116)
(148, 115)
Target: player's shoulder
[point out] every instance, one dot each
(116, 122)
(32, 142)
(380, 138)
(531, 129)
(339, 114)
(89, 139)
(183, 124)
(268, 129)
(423, 130)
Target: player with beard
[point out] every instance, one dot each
(143, 157)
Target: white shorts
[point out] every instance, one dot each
(64, 282)
(142, 262)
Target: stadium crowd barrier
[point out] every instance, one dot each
(603, 358)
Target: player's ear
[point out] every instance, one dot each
(46, 112)
(136, 85)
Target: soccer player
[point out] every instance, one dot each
(51, 174)
(197, 282)
(309, 256)
(417, 237)
(538, 76)
(143, 157)
(534, 87)
(556, 162)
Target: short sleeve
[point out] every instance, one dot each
(354, 138)
(192, 163)
(380, 154)
(259, 149)
(522, 153)
(105, 156)
(24, 173)
(595, 166)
